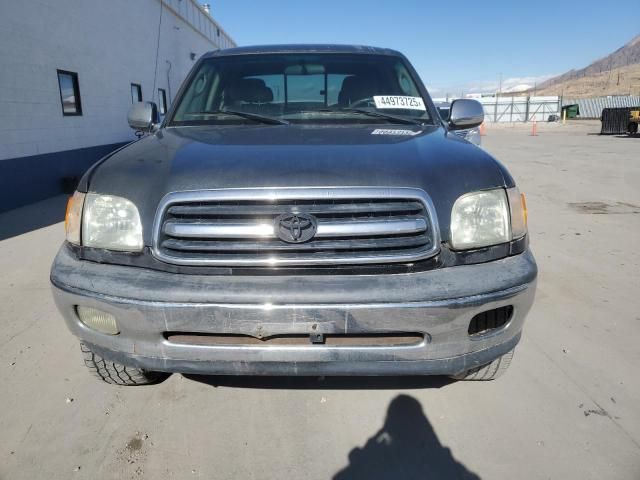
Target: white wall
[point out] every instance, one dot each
(515, 109)
(520, 109)
(109, 44)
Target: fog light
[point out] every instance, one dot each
(490, 320)
(97, 320)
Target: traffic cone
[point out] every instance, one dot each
(483, 130)
(534, 129)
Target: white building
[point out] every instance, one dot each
(69, 71)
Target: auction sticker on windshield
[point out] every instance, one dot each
(396, 101)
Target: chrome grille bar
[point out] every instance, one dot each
(325, 229)
(371, 228)
(182, 245)
(229, 230)
(242, 210)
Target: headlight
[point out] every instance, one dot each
(490, 217)
(111, 222)
(480, 219)
(73, 218)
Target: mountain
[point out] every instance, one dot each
(617, 73)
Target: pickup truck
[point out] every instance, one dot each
(300, 210)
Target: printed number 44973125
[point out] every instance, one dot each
(397, 101)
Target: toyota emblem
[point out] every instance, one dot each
(295, 227)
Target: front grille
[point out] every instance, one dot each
(240, 227)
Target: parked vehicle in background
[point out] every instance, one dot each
(301, 210)
(470, 134)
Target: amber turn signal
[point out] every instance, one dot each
(518, 210)
(73, 217)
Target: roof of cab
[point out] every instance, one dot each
(302, 48)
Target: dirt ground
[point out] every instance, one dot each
(569, 408)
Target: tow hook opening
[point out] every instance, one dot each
(316, 338)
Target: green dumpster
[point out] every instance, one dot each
(570, 111)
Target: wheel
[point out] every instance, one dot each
(632, 128)
(490, 371)
(116, 373)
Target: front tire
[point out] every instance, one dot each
(490, 371)
(116, 373)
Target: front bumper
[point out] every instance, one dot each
(438, 303)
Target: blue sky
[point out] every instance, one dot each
(456, 47)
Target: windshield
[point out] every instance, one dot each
(288, 88)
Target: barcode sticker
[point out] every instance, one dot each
(399, 102)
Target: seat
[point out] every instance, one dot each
(357, 87)
(252, 91)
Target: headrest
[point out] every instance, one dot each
(248, 90)
(355, 88)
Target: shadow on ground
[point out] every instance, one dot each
(32, 217)
(322, 383)
(615, 135)
(405, 447)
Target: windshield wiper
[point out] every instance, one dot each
(251, 116)
(370, 113)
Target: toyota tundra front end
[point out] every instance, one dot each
(301, 210)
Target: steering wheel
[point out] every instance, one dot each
(363, 102)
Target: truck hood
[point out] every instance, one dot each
(212, 157)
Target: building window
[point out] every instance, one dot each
(69, 93)
(136, 93)
(218, 30)
(162, 101)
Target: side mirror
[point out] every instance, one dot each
(465, 113)
(143, 116)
